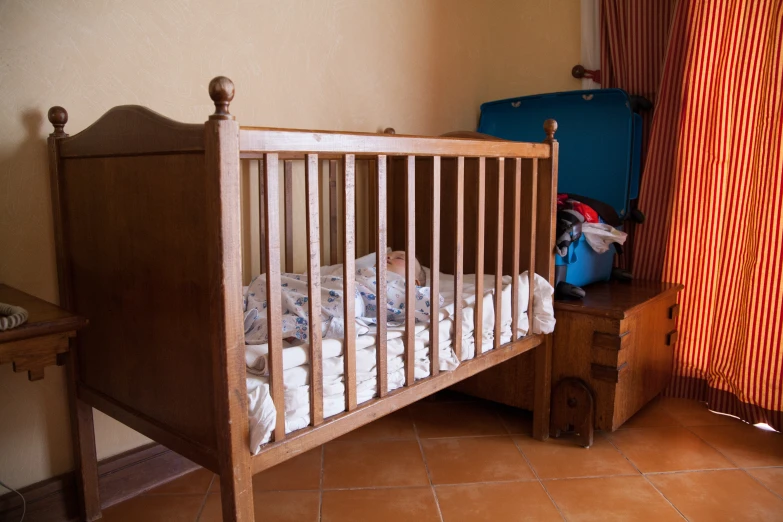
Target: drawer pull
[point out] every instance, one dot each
(605, 373)
(611, 341)
(674, 311)
(671, 338)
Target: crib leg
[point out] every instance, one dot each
(541, 400)
(236, 498)
(83, 435)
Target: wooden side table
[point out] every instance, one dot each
(40, 342)
(612, 354)
(45, 340)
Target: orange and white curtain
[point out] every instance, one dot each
(634, 35)
(712, 190)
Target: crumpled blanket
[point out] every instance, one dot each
(295, 320)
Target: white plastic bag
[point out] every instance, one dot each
(600, 236)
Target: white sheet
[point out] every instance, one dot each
(296, 375)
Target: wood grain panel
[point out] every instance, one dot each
(134, 130)
(148, 294)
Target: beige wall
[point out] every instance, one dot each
(422, 66)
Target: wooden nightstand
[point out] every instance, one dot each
(612, 353)
(42, 340)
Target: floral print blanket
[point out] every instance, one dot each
(295, 305)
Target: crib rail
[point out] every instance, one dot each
(255, 141)
(333, 158)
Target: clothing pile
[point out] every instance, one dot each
(577, 215)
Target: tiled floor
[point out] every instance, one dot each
(452, 458)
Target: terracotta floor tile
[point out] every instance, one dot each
(694, 413)
(374, 464)
(475, 459)
(563, 458)
(300, 472)
(280, 506)
(516, 421)
(667, 449)
(456, 419)
(651, 416)
(746, 445)
(504, 502)
(770, 477)
(380, 505)
(608, 499)
(398, 425)
(155, 508)
(194, 483)
(712, 496)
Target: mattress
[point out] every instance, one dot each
(296, 369)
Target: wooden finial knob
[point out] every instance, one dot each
(550, 127)
(221, 90)
(389, 130)
(58, 117)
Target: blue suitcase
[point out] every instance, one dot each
(600, 154)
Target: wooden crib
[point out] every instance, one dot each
(152, 235)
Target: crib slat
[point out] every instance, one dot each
(478, 330)
(314, 288)
(261, 220)
(410, 269)
(380, 263)
(499, 255)
(435, 270)
(531, 271)
(322, 196)
(515, 249)
(288, 196)
(333, 212)
(372, 215)
(459, 228)
(349, 276)
(273, 297)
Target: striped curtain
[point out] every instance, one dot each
(713, 194)
(634, 34)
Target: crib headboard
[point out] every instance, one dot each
(145, 249)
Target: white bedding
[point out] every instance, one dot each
(261, 411)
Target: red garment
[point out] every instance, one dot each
(564, 203)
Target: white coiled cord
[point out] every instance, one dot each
(11, 316)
